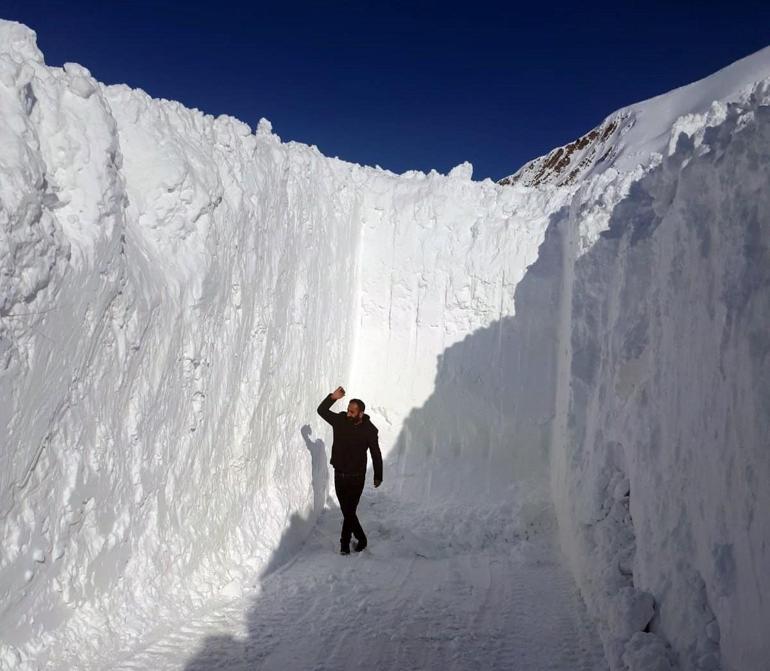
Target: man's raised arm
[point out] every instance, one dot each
(325, 408)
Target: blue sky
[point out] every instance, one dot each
(413, 85)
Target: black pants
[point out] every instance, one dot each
(348, 488)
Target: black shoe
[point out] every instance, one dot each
(344, 548)
(360, 545)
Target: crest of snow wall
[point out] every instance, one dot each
(177, 295)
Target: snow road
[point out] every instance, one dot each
(437, 588)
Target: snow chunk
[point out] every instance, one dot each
(463, 171)
(264, 127)
(647, 652)
(81, 83)
(19, 42)
(9, 70)
(630, 611)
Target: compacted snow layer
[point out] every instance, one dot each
(178, 293)
(439, 588)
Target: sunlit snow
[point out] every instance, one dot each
(571, 383)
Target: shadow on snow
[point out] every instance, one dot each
(487, 424)
(488, 419)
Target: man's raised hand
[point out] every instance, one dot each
(338, 393)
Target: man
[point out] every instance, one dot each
(353, 435)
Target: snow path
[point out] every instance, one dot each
(410, 601)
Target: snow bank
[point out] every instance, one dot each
(661, 465)
(177, 294)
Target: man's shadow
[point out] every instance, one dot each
(320, 471)
(299, 527)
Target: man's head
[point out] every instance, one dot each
(356, 410)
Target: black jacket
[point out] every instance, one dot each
(351, 441)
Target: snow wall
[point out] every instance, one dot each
(178, 293)
(661, 462)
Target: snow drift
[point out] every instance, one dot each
(178, 293)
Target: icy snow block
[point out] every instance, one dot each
(463, 171)
(633, 610)
(647, 652)
(80, 83)
(264, 127)
(19, 41)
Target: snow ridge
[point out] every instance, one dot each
(631, 135)
(576, 160)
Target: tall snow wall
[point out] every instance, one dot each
(176, 295)
(455, 343)
(660, 459)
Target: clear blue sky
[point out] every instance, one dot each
(412, 85)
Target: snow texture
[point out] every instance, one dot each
(443, 588)
(581, 357)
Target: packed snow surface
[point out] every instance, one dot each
(570, 374)
(445, 587)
